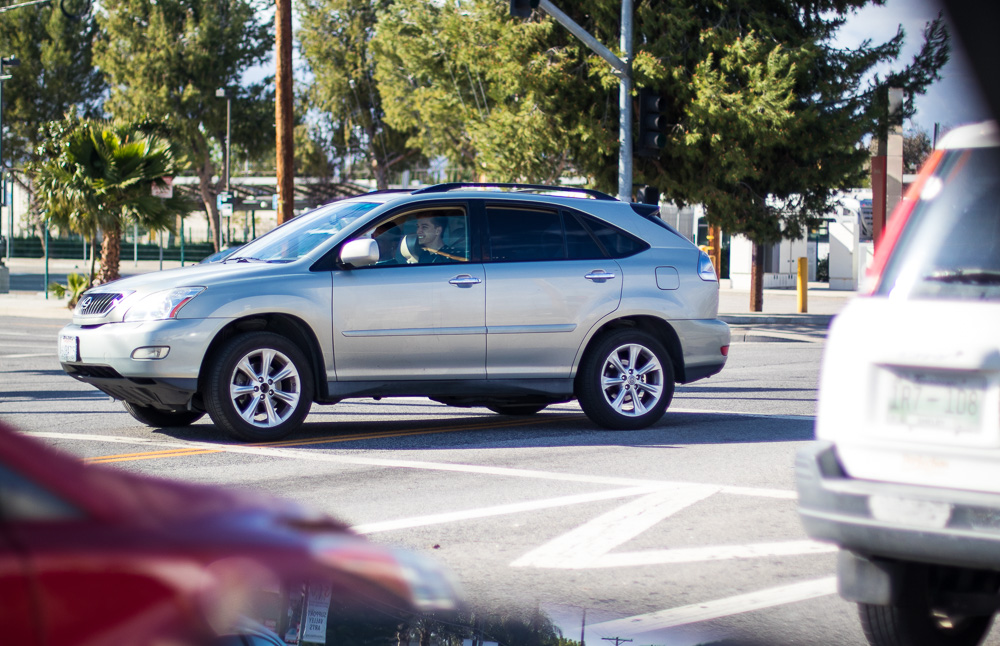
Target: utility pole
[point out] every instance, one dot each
(283, 111)
(616, 640)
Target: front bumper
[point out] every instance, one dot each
(895, 521)
(105, 359)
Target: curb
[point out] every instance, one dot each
(776, 319)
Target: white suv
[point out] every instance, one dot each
(905, 473)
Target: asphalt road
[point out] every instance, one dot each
(684, 533)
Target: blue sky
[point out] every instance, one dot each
(952, 101)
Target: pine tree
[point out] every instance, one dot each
(165, 59)
(335, 36)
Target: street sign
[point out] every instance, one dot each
(224, 201)
(166, 190)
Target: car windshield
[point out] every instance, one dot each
(302, 234)
(950, 248)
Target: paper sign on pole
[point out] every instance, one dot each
(317, 608)
(167, 191)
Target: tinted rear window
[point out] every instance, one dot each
(950, 248)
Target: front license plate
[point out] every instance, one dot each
(69, 348)
(954, 402)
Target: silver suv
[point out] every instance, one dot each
(509, 299)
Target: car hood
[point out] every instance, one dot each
(121, 294)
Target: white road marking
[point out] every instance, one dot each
(312, 455)
(714, 553)
(499, 510)
(708, 610)
(585, 545)
(29, 356)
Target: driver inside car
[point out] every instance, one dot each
(431, 247)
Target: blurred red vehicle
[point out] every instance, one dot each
(92, 555)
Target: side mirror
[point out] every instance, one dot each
(359, 253)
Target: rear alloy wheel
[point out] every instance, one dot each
(626, 381)
(162, 418)
(517, 409)
(259, 388)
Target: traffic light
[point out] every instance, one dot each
(648, 195)
(522, 8)
(651, 124)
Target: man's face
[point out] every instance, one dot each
(428, 234)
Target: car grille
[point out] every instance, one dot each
(97, 304)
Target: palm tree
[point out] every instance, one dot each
(98, 176)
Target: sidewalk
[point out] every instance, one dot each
(27, 298)
(27, 280)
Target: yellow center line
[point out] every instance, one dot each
(331, 439)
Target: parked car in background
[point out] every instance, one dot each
(509, 299)
(90, 555)
(904, 473)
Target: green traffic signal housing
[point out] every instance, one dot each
(522, 8)
(651, 124)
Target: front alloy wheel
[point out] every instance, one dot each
(259, 388)
(626, 381)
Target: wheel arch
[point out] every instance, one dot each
(660, 329)
(291, 327)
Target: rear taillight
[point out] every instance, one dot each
(897, 221)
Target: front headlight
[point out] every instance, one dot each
(162, 305)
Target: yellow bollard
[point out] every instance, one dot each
(802, 285)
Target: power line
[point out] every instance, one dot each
(616, 640)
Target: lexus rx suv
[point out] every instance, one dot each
(508, 297)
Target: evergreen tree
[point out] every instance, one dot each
(765, 114)
(165, 59)
(335, 36)
(55, 75)
(488, 93)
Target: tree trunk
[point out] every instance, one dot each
(93, 260)
(381, 172)
(207, 194)
(111, 250)
(757, 279)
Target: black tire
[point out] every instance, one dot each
(517, 409)
(616, 394)
(916, 620)
(917, 625)
(162, 418)
(266, 409)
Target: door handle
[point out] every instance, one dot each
(465, 280)
(599, 276)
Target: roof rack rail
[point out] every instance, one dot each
(451, 186)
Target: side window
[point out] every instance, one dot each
(519, 235)
(581, 243)
(422, 237)
(23, 500)
(617, 243)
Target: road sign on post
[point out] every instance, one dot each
(225, 203)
